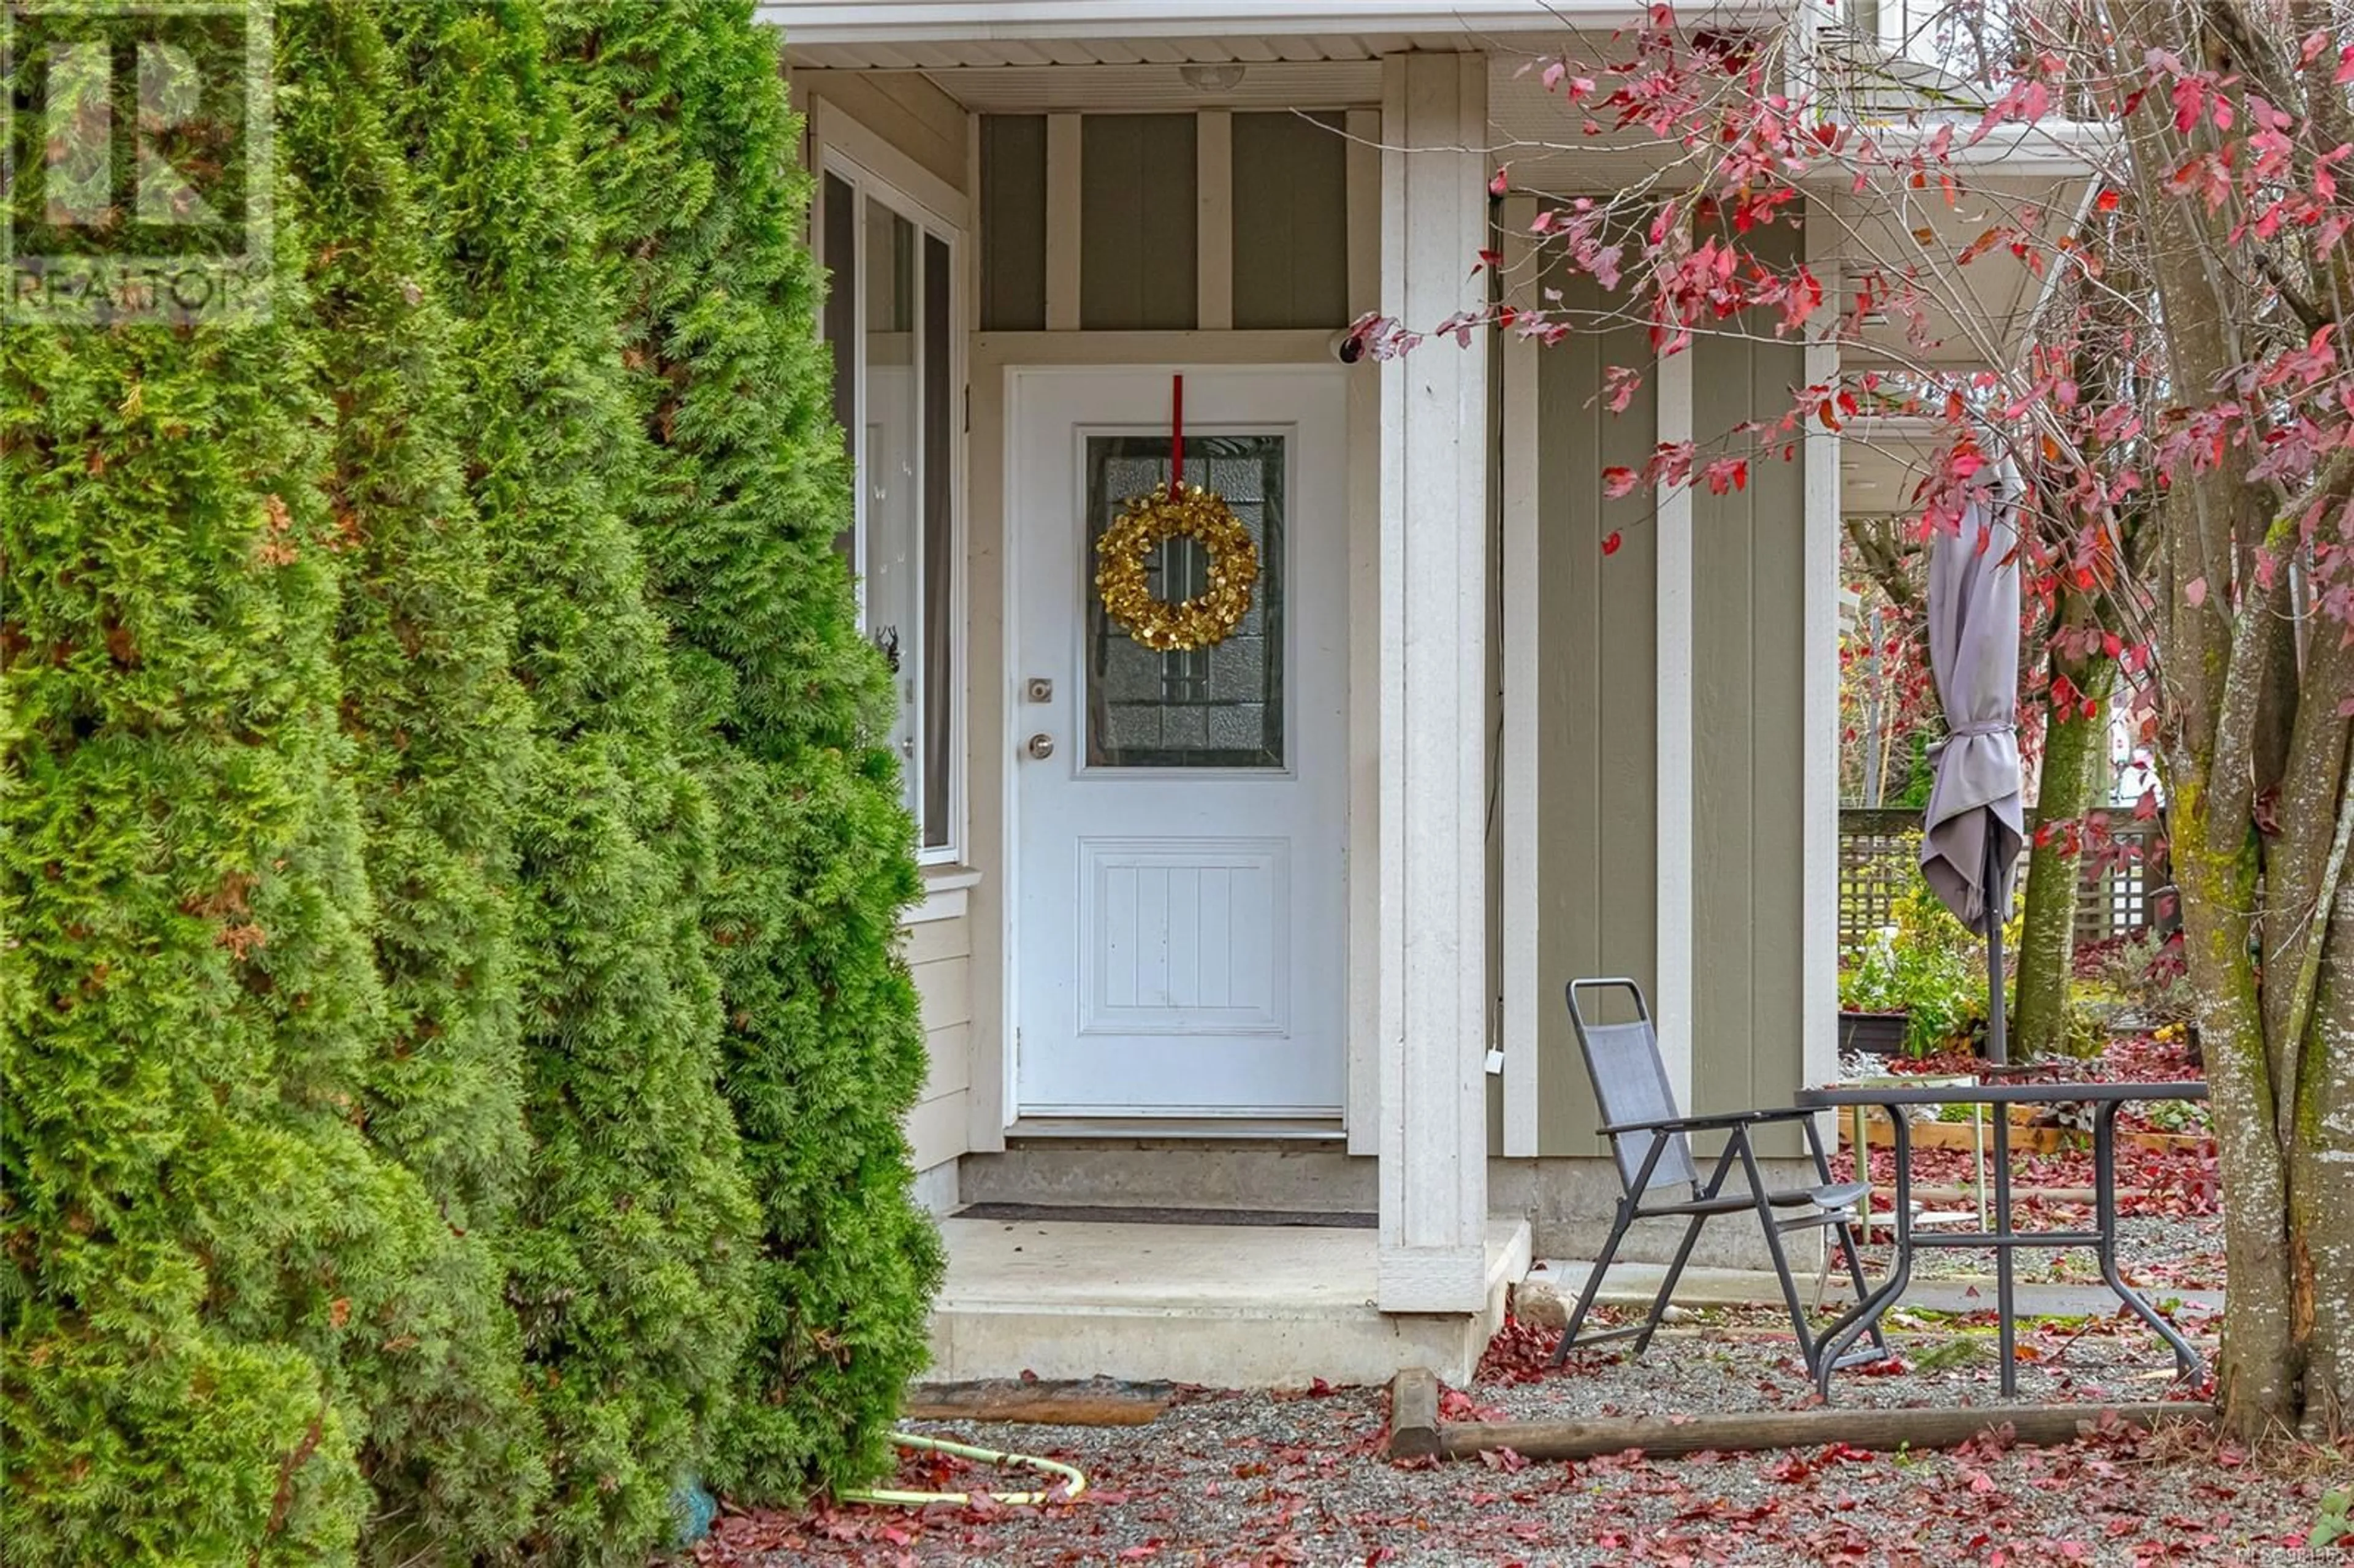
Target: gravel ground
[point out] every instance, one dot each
(1252, 1479)
(1745, 1360)
(1257, 1478)
(2159, 1250)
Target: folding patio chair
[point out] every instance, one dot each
(1651, 1145)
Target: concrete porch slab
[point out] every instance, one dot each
(1224, 1306)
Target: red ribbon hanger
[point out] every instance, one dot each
(1176, 435)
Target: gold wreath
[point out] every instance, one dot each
(1209, 617)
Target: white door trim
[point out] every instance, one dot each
(1021, 385)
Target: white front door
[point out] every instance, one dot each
(1179, 941)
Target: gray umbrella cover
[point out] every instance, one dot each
(1974, 654)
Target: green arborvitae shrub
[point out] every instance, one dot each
(688, 137)
(438, 745)
(166, 810)
(209, 1272)
(633, 1243)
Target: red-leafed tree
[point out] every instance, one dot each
(2180, 414)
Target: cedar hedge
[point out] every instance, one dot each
(685, 119)
(451, 1039)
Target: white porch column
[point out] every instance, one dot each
(1675, 782)
(1433, 562)
(1818, 831)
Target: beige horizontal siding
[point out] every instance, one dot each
(936, 1130)
(940, 957)
(946, 987)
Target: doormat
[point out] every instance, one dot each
(1324, 1219)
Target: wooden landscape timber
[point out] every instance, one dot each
(1092, 1401)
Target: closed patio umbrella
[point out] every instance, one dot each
(1976, 823)
(1969, 844)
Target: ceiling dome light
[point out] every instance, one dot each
(1212, 78)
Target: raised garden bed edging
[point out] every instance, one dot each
(2025, 1139)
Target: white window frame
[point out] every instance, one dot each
(851, 153)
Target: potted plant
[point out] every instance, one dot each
(1872, 1005)
(1869, 1004)
(1907, 994)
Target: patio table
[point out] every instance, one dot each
(2106, 1100)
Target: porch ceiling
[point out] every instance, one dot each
(963, 56)
(902, 35)
(1970, 315)
(1055, 89)
(1882, 460)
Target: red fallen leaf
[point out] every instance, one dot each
(1610, 546)
(1151, 1548)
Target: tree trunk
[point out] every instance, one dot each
(2215, 619)
(2321, 1171)
(2257, 1375)
(2073, 754)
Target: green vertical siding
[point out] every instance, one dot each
(1138, 259)
(1598, 723)
(1013, 222)
(1748, 735)
(1291, 221)
(1597, 706)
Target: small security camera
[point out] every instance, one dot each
(1348, 345)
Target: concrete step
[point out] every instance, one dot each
(1551, 1281)
(1224, 1306)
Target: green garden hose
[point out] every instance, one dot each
(966, 1451)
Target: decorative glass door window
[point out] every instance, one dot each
(890, 322)
(1219, 707)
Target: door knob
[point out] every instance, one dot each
(1042, 746)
